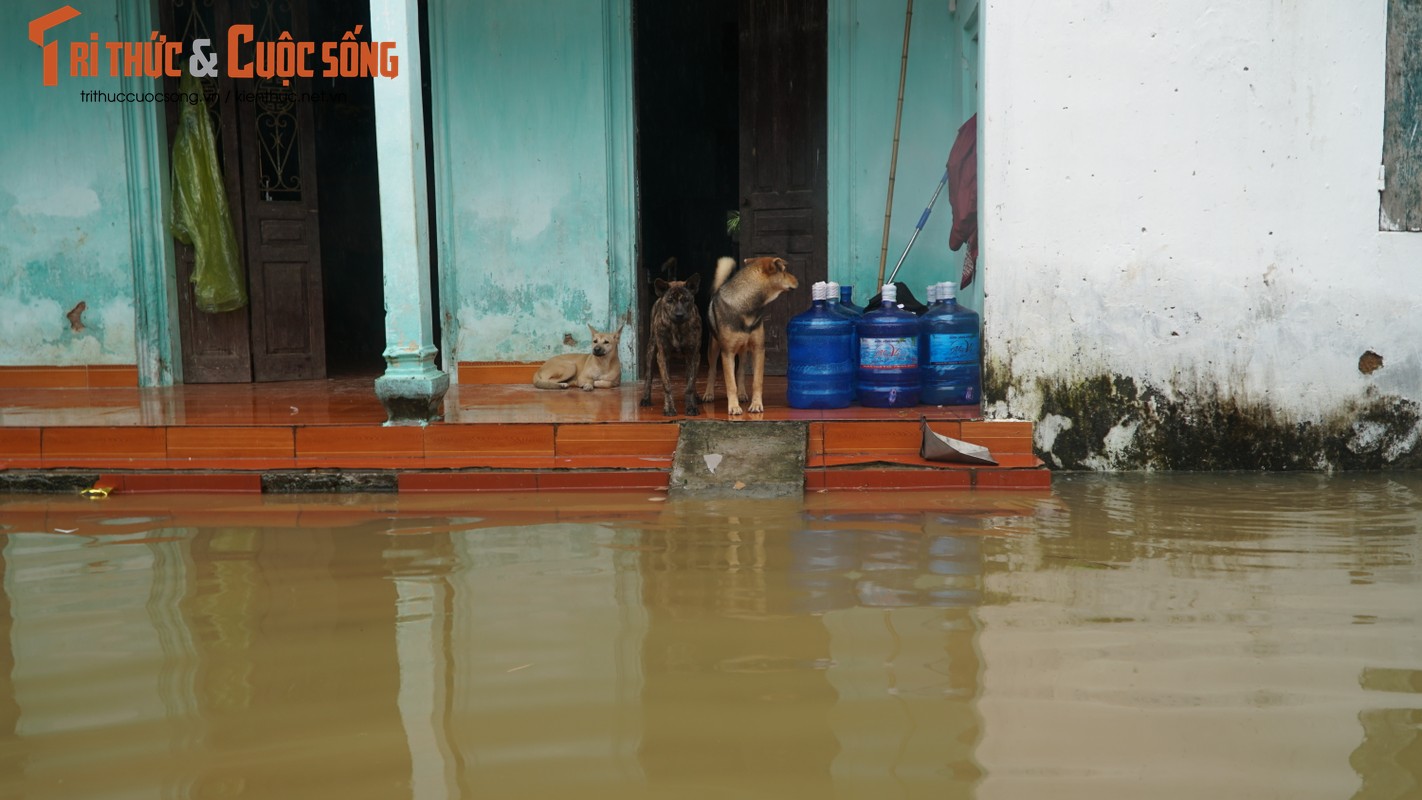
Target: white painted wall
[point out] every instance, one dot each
(1187, 194)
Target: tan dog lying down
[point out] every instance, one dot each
(601, 369)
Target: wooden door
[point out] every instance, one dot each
(216, 348)
(266, 143)
(283, 236)
(783, 142)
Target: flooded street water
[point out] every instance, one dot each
(1191, 636)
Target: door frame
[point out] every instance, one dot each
(969, 16)
(621, 136)
(157, 302)
(622, 60)
(155, 287)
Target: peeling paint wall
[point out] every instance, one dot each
(524, 158)
(64, 217)
(1184, 264)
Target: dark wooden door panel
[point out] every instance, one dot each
(216, 348)
(278, 146)
(783, 142)
(267, 146)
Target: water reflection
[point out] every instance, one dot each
(1240, 636)
(815, 654)
(12, 761)
(293, 663)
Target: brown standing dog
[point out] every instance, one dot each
(737, 316)
(675, 330)
(602, 369)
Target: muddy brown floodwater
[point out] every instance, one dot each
(1180, 636)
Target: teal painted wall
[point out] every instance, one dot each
(532, 134)
(64, 214)
(533, 161)
(535, 194)
(866, 45)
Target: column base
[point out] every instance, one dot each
(412, 399)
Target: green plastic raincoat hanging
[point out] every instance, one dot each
(201, 217)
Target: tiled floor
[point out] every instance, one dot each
(493, 437)
(352, 401)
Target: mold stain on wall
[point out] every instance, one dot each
(1114, 422)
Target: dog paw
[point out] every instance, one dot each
(734, 409)
(646, 401)
(708, 397)
(587, 387)
(692, 411)
(757, 408)
(669, 411)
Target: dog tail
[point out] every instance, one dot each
(724, 266)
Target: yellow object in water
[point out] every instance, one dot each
(95, 492)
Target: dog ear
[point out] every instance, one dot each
(617, 337)
(661, 287)
(694, 282)
(592, 330)
(780, 265)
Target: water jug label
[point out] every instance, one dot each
(952, 348)
(891, 353)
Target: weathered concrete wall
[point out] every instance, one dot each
(525, 177)
(1184, 267)
(64, 216)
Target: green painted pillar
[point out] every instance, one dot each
(412, 388)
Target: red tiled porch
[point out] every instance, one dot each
(494, 437)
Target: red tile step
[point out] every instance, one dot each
(851, 454)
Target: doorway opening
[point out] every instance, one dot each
(686, 65)
(299, 168)
(352, 274)
(731, 122)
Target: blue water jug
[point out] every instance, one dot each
(888, 354)
(833, 299)
(821, 357)
(846, 300)
(950, 351)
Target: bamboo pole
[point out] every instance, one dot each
(894, 156)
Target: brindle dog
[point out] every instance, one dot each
(675, 330)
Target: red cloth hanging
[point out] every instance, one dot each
(963, 195)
